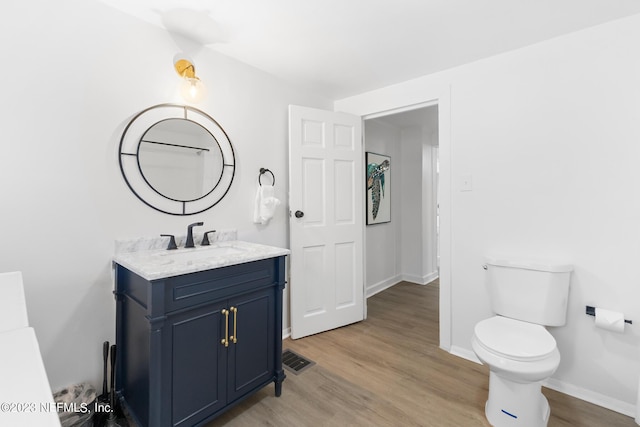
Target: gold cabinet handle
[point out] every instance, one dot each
(225, 340)
(234, 337)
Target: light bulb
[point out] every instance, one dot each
(192, 89)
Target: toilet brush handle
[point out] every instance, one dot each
(112, 397)
(105, 358)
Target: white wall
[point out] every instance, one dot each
(419, 194)
(382, 240)
(74, 73)
(430, 201)
(549, 135)
(410, 213)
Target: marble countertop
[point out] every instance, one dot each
(162, 263)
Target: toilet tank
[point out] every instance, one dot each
(535, 292)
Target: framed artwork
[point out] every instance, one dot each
(378, 181)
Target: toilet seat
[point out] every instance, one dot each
(515, 339)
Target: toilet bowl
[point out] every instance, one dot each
(517, 350)
(520, 355)
(515, 344)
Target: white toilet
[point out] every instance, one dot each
(520, 352)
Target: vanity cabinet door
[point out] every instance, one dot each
(199, 364)
(251, 358)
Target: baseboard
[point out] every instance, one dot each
(615, 405)
(464, 353)
(381, 286)
(428, 278)
(286, 333)
(420, 280)
(411, 278)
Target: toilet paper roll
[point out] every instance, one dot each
(609, 320)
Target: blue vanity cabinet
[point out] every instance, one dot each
(191, 346)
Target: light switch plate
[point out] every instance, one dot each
(466, 183)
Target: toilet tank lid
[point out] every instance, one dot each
(538, 265)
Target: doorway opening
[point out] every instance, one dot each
(407, 247)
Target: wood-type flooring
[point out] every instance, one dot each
(389, 371)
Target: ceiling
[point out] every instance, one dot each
(346, 47)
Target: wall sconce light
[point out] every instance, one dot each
(192, 89)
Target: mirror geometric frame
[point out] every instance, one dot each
(132, 172)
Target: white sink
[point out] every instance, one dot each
(191, 255)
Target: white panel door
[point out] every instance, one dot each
(326, 220)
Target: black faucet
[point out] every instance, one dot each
(172, 241)
(205, 239)
(189, 243)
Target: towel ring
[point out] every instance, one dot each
(262, 172)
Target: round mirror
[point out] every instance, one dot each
(176, 159)
(180, 159)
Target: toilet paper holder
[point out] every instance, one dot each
(591, 311)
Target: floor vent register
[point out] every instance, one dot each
(295, 363)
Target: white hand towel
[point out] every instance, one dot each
(265, 205)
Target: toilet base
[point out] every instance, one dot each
(516, 404)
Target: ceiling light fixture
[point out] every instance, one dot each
(192, 89)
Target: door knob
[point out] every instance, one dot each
(299, 214)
